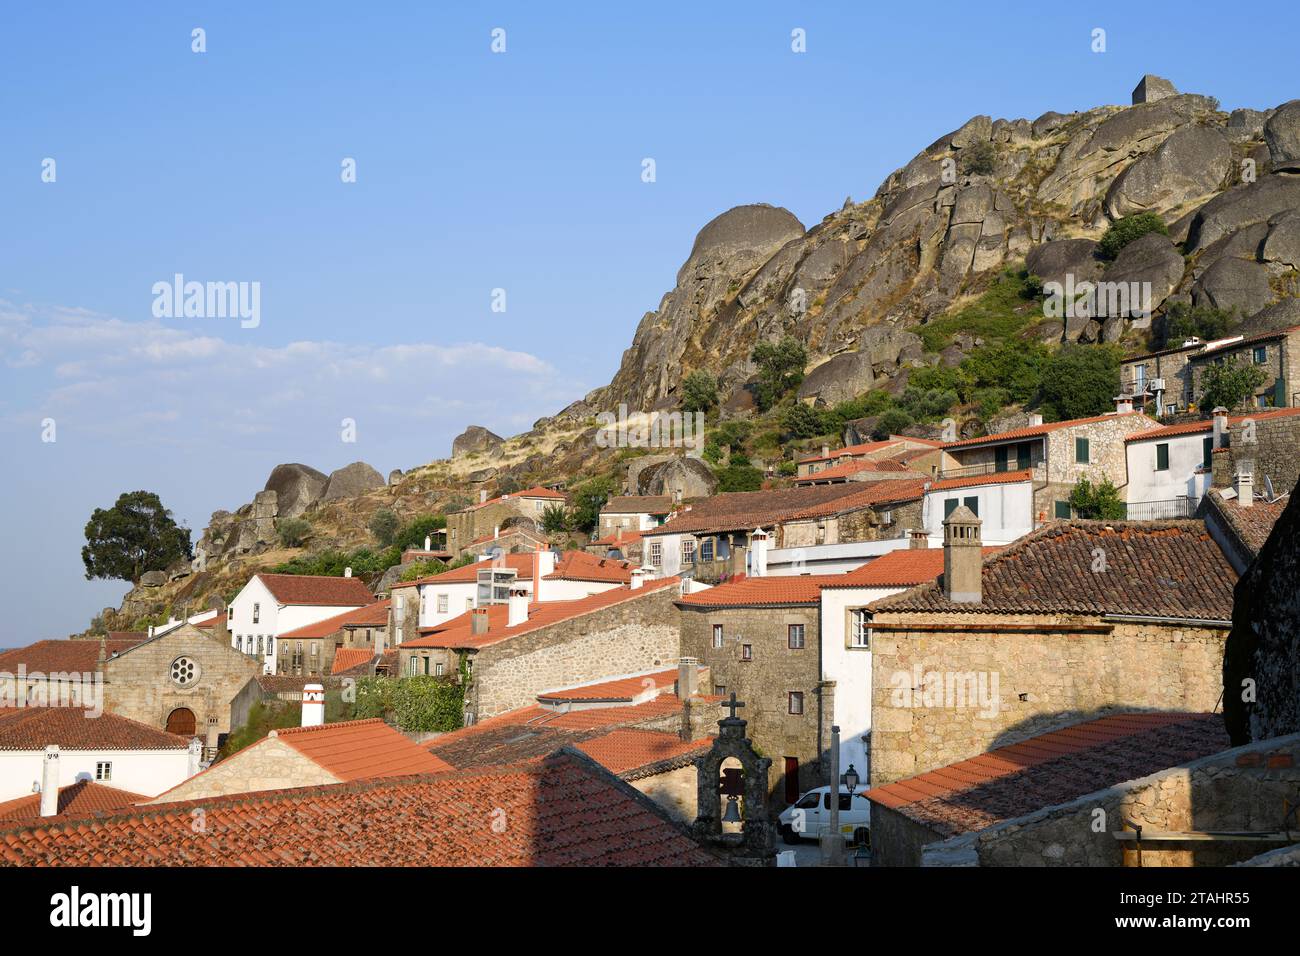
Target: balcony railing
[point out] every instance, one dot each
(1161, 510)
(987, 468)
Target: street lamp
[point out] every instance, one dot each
(851, 779)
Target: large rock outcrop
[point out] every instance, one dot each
(476, 438)
(297, 488)
(1264, 646)
(351, 480)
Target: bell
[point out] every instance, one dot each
(732, 814)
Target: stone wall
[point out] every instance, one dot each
(896, 839)
(138, 684)
(1281, 364)
(675, 791)
(1062, 670)
(638, 634)
(868, 524)
(1237, 790)
(765, 682)
(1275, 452)
(267, 765)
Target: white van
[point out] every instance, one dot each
(810, 815)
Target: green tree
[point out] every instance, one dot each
(979, 159)
(292, 531)
(803, 421)
(1080, 381)
(780, 369)
(699, 392)
(136, 535)
(384, 525)
(588, 498)
(744, 477)
(1125, 230)
(413, 534)
(555, 519)
(1097, 501)
(1231, 385)
(1184, 321)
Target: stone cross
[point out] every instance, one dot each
(732, 704)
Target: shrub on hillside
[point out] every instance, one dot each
(384, 525)
(699, 392)
(292, 531)
(1125, 230)
(1080, 381)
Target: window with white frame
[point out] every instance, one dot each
(257, 613)
(794, 702)
(442, 603)
(717, 635)
(860, 628)
(688, 550)
(656, 553)
(104, 770)
(413, 666)
(794, 637)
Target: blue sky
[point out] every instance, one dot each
(475, 171)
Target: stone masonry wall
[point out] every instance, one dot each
(1275, 452)
(765, 682)
(1241, 789)
(635, 635)
(675, 791)
(268, 765)
(1044, 679)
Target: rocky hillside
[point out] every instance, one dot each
(855, 286)
(859, 289)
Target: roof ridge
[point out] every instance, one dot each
(281, 731)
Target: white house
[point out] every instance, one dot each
(55, 747)
(1003, 501)
(272, 604)
(633, 513)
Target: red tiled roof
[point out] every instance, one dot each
(867, 448)
(1252, 525)
(613, 539)
(746, 510)
(617, 689)
(850, 468)
(581, 566)
(997, 478)
(135, 636)
(564, 811)
(1036, 430)
(1207, 425)
(628, 750)
(74, 728)
(348, 658)
(774, 591)
(218, 622)
(317, 589)
(456, 633)
(1050, 769)
(62, 655)
(638, 504)
(83, 798)
(360, 749)
(1168, 569)
(521, 564)
(883, 492)
(372, 615)
(904, 567)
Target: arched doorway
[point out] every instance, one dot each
(181, 721)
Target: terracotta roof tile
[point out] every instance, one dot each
(535, 492)
(904, 567)
(772, 591)
(1168, 569)
(867, 448)
(372, 615)
(1207, 425)
(1036, 430)
(627, 751)
(317, 589)
(1252, 525)
(359, 749)
(457, 633)
(562, 811)
(1051, 768)
(997, 478)
(80, 799)
(521, 563)
(638, 504)
(746, 510)
(624, 689)
(581, 566)
(615, 538)
(351, 658)
(74, 728)
(61, 656)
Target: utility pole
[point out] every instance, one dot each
(832, 843)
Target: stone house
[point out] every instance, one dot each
(1057, 453)
(511, 652)
(310, 756)
(633, 513)
(489, 516)
(309, 651)
(1077, 618)
(1172, 378)
(272, 604)
(760, 638)
(646, 727)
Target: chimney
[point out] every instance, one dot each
(962, 557)
(918, 538)
(1245, 484)
(826, 451)
(1035, 420)
(537, 572)
(496, 531)
(196, 754)
(347, 572)
(518, 606)
(1123, 404)
(1220, 427)
(688, 677)
(50, 782)
(638, 578)
(313, 705)
(482, 496)
(478, 620)
(758, 559)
